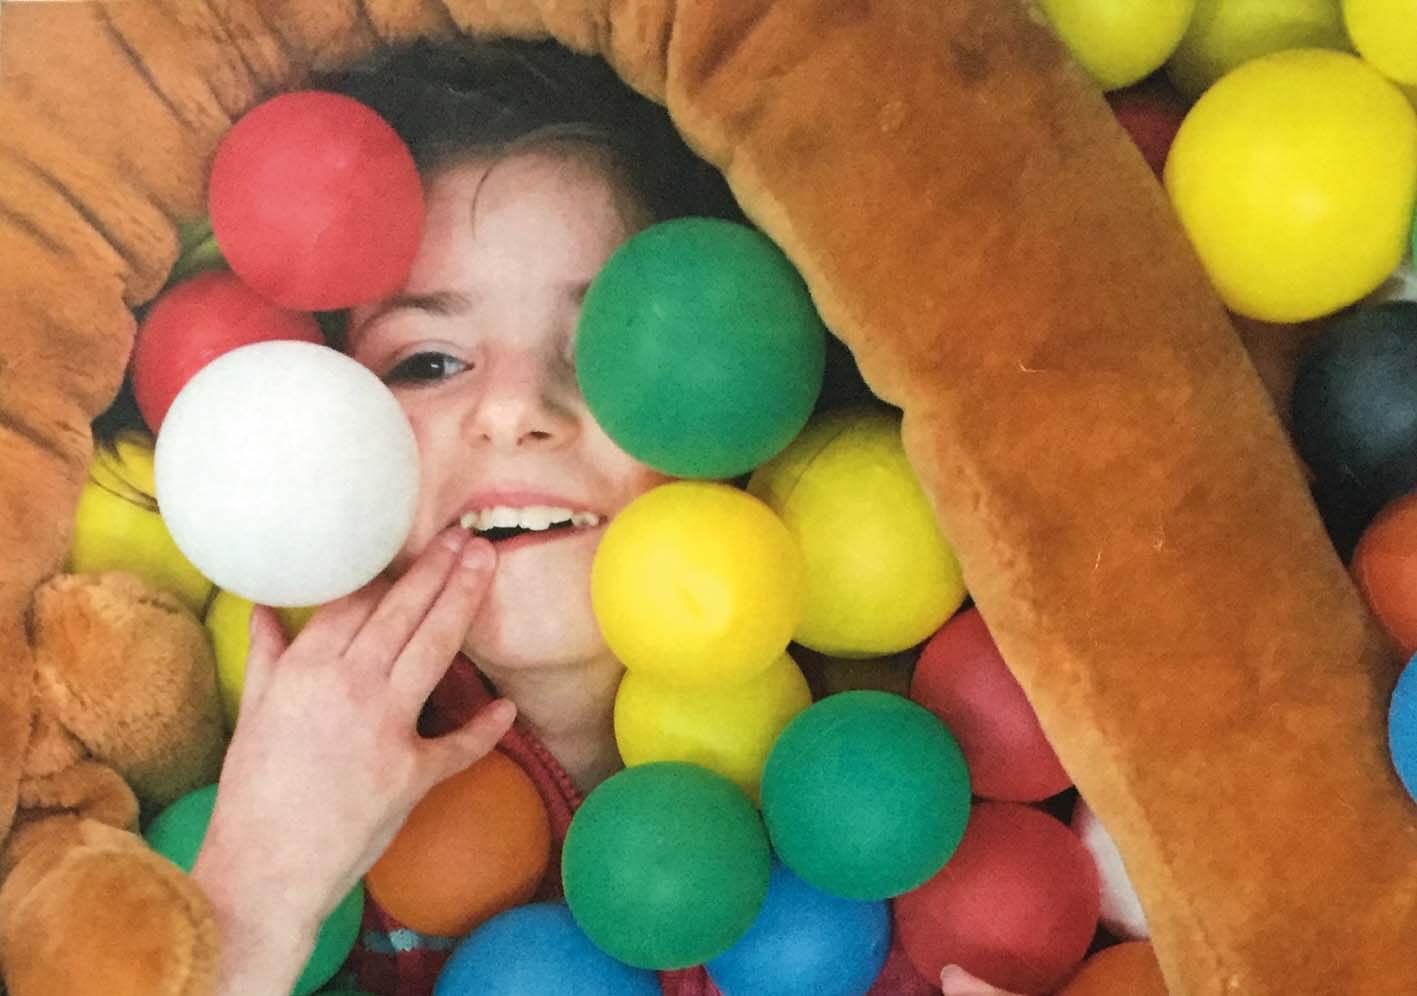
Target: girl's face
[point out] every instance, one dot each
(479, 348)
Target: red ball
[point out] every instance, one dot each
(1017, 904)
(1151, 113)
(196, 321)
(316, 202)
(962, 679)
(1385, 567)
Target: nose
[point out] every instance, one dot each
(521, 404)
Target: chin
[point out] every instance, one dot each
(536, 614)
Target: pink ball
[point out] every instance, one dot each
(316, 202)
(1016, 905)
(195, 322)
(962, 679)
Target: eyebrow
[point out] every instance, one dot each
(441, 303)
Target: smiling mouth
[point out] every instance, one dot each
(503, 523)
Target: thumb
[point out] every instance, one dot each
(267, 644)
(470, 742)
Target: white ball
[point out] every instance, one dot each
(1121, 909)
(287, 473)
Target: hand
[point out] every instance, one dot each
(326, 761)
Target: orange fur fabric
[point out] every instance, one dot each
(974, 225)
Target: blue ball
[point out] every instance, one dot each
(1402, 727)
(806, 943)
(538, 949)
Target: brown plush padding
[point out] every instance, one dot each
(975, 226)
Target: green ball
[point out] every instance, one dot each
(177, 834)
(866, 795)
(665, 865)
(699, 350)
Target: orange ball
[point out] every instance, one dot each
(1385, 567)
(477, 844)
(1129, 968)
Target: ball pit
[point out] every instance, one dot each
(699, 350)
(477, 844)
(665, 865)
(537, 949)
(1129, 968)
(316, 202)
(228, 623)
(865, 795)
(177, 834)
(879, 576)
(1385, 34)
(324, 470)
(1016, 906)
(1295, 178)
(805, 943)
(697, 583)
(1383, 565)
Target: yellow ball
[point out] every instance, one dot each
(697, 583)
(1385, 33)
(1225, 34)
(1295, 177)
(228, 623)
(1119, 41)
(726, 728)
(880, 576)
(117, 526)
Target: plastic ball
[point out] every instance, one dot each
(1354, 405)
(228, 622)
(880, 577)
(117, 526)
(1016, 906)
(665, 865)
(288, 473)
(1402, 728)
(1224, 34)
(1295, 178)
(1119, 41)
(697, 583)
(1151, 114)
(177, 834)
(805, 943)
(1129, 968)
(537, 949)
(1385, 34)
(699, 349)
(1385, 567)
(1121, 912)
(865, 795)
(477, 844)
(195, 322)
(728, 729)
(316, 202)
(962, 679)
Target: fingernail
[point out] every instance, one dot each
(454, 539)
(503, 710)
(477, 554)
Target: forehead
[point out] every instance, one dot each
(564, 207)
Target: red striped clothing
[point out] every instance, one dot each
(391, 960)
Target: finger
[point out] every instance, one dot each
(429, 651)
(388, 629)
(335, 624)
(267, 643)
(474, 740)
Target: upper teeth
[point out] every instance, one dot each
(532, 517)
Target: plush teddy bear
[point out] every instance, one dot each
(124, 714)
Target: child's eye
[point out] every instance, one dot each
(423, 368)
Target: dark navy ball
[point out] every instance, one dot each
(1355, 405)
